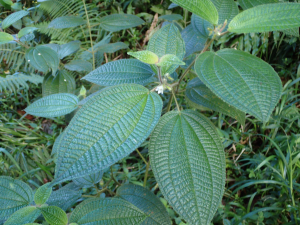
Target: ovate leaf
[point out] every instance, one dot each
(14, 17)
(79, 65)
(54, 215)
(146, 201)
(66, 22)
(198, 93)
(53, 105)
(68, 49)
(247, 4)
(112, 211)
(42, 194)
(117, 22)
(242, 80)
(62, 82)
(26, 30)
(120, 72)
(203, 8)
(145, 56)
(43, 58)
(188, 162)
(108, 127)
(14, 195)
(90, 180)
(167, 40)
(25, 215)
(265, 18)
(5, 38)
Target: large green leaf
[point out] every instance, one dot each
(247, 4)
(117, 22)
(5, 38)
(203, 8)
(120, 72)
(25, 215)
(54, 215)
(66, 22)
(42, 194)
(62, 82)
(242, 80)
(188, 162)
(113, 211)
(108, 127)
(198, 93)
(53, 105)
(12, 18)
(43, 58)
(167, 40)
(79, 65)
(90, 180)
(268, 17)
(146, 201)
(194, 41)
(14, 195)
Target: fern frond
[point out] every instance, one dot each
(16, 81)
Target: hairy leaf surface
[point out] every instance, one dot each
(198, 93)
(54, 215)
(112, 211)
(265, 18)
(120, 72)
(146, 201)
(117, 22)
(66, 22)
(247, 4)
(203, 8)
(12, 18)
(242, 80)
(25, 215)
(188, 162)
(14, 195)
(42, 194)
(53, 105)
(108, 127)
(167, 40)
(90, 180)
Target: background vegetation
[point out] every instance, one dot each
(262, 160)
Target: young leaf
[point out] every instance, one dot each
(66, 22)
(194, 41)
(68, 49)
(5, 38)
(62, 82)
(25, 215)
(247, 4)
(12, 18)
(108, 211)
(79, 66)
(42, 194)
(54, 215)
(145, 56)
(117, 22)
(14, 195)
(241, 80)
(167, 61)
(43, 58)
(26, 30)
(265, 18)
(108, 127)
(146, 201)
(167, 40)
(188, 162)
(198, 93)
(90, 180)
(120, 72)
(203, 8)
(53, 105)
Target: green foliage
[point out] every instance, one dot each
(247, 4)
(11, 19)
(191, 136)
(42, 194)
(5, 38)
(16, 81)
(66, 22)
(90, 180)
(54, 215)
(53, 105)
(145, 56)
(117, 22)
(25, 215)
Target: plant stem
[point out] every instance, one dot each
(112, 176)
(170, 103)
(177, 105)
(145, 161)
(146, 173)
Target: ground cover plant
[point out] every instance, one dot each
(111, 114)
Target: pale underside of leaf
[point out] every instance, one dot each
(188, 162)
(109, 126)
(242, 80)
